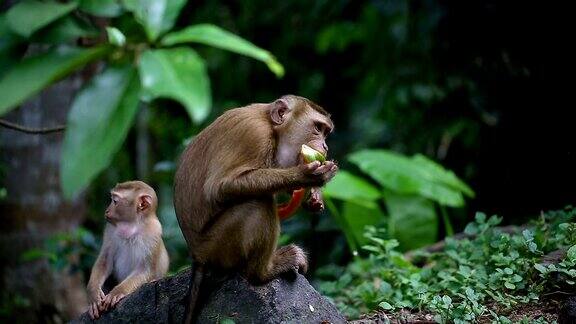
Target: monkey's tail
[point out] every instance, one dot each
(193, 291)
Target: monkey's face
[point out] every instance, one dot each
(121, 208)
(300, 125)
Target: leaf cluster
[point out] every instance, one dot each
(139, 58)
(412, 189)
(469, 279)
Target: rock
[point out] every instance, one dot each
(567, 314)
(279, 301)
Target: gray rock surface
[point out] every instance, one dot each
(567, 314)
(283, 300)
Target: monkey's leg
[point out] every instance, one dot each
(265, 262)
(289, 258)
(286, 259)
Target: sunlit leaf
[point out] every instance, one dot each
(410, 176)
(115, 36)
(179, 74)
(98, 123)
(435, 171)
(101, 8)
(412, 220)
(27, 16)
(217, 37)
(571, 254)
(348, 187)
(385, 306)
(156, 16)
(33, 74)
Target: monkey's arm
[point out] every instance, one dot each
(100, 271)
(259, 182)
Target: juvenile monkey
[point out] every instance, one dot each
(225, 185)
(132, 247)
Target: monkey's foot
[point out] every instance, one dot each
(294, 257)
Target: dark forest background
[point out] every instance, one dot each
(483, 88)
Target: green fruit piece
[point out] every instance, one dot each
(311, 155)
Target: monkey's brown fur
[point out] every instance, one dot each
(227, 177)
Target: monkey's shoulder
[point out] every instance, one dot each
(252, 117)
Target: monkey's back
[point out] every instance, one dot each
(239, 140)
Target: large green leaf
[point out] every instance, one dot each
(412, 220)
(179, 74)
(215, 36)
(156, 16)
(410, 176)
(358, 217)
(348, 187)
(28, 16)
(12, 46)
(101, 8)
(98, 123)
(35, 73)
(67, 29)
(447, 177)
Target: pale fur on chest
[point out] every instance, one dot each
(131, 250)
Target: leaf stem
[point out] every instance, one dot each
(447, 224)
(343, 225)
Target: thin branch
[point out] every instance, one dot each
(439, 246)
(30, 130)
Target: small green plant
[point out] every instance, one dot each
(73, 251)
(467, 279)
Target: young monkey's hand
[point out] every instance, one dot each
(112, 299)
(96, 298)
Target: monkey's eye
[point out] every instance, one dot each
(318, 128)
(115, 200)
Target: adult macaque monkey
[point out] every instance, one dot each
(132, 248)
(225, 185)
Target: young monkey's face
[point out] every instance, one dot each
(121, 208)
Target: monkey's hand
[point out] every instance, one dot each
(113, 297)
(96, 296)
(318, 174)
(314, 203)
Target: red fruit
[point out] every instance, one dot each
(288, 209)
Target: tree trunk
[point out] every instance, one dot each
(34, 210)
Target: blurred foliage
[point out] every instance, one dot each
(140, 66)
(70, 251)
(469, 279)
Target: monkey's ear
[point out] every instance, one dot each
(144, 202)
(278, 112)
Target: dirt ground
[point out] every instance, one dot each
(546, 309)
